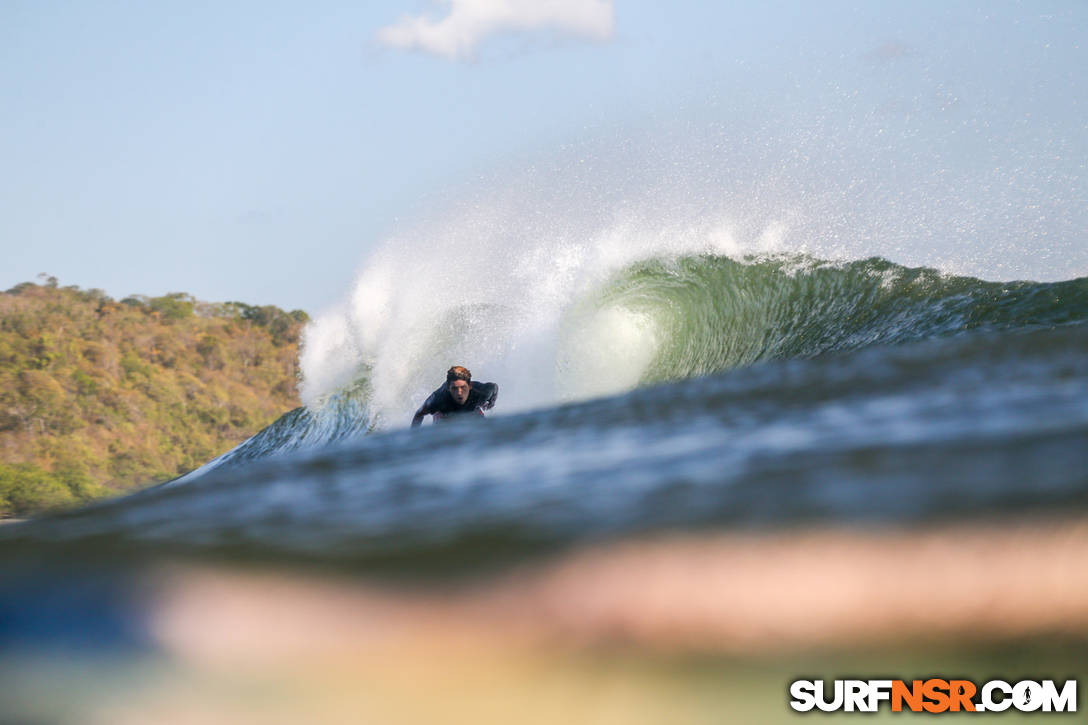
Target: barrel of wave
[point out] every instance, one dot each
(605, 351)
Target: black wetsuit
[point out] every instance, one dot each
(480, 395)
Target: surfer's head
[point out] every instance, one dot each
(457, 380)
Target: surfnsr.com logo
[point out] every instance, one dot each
(933, 695)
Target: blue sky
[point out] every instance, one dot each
(258, 151)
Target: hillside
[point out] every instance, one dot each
(99, 396)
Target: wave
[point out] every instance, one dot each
(663, 320)
(582, 325)
(707, 314)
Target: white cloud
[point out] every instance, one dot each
(470, 21)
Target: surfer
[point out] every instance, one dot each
(458, 396)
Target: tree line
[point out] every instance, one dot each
(99, 396)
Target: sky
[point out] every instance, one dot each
(259, 151)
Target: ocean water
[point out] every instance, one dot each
(690, 395)
(769, 392)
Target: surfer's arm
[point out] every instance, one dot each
(490, 392)
(426, 409)
(417, 419)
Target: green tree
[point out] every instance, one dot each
(98, 396)
(174, 306)
(25, 489)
